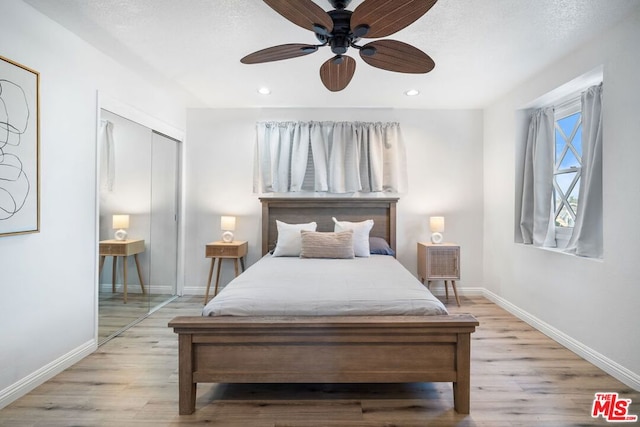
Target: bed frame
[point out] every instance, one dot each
(325, 349)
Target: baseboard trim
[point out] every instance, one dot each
(614, 369)
(30, 382)
(194, 290)
(438, 290)
(134, 288)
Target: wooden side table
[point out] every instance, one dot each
(121, 248)
(439, 262)
(220, 250)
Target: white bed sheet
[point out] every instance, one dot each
(290, 286)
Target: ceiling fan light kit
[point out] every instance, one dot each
(341, 29)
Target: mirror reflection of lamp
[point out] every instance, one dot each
(227, 225)
(436, 224)
(120, 222)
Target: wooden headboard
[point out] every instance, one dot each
(320, 209)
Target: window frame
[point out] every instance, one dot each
(562, 111)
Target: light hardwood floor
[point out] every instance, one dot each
(519, 378)
(114, 315)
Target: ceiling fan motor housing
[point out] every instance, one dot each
(341, 37)
(339, 4)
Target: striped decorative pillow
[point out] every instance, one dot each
(327, 244)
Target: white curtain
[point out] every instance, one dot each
(586, 239)
(281, 156)
(347, 157)
(108, 156)
(536, 221)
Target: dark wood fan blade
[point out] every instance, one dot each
(280, 52)
(336, 75)
(304, 13)
(385, 17)
(397, 56)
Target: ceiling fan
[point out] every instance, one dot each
(341, 29)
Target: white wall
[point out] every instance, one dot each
(594, 302)
(47, 281)
(444, 152)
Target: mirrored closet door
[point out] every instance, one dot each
(138, 222)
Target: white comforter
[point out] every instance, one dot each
(279, 286)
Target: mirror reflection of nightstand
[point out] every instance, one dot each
(439, 262)
(121, 248)
(235, 250)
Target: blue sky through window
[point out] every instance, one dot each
(568, 160)
(564, 132)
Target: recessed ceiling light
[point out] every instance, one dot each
(264, 91)
(412, 92)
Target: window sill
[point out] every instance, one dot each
(561, 251)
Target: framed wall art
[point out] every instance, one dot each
(19, 149)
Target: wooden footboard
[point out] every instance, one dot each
(358, 349)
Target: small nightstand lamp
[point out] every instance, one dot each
(120, 222)
(436, 224)
(228, 225)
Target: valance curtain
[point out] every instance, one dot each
(347, 157)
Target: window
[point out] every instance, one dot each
(567, 169)
(560, 203)
(329, 157)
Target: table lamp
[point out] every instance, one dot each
(120, 222)
(436, 224)
(228, 225)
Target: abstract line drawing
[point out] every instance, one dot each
(19, 146)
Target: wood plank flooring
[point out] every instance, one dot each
(114, 315)
(519, 378)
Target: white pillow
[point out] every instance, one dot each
(360, 235)
(289, 241)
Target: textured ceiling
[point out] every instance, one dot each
(482, 48)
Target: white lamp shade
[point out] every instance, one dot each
(228, 223)
(436, 224)
(120, 221)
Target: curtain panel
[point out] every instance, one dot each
(107, 157)
(586, 239)
(536, 221)
(345, 157)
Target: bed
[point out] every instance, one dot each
(334, 348)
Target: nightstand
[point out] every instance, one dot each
(220, 250)
(121, 248)
(439, 262)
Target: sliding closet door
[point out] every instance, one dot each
(139, 177)
(125, 182)
(164, 218)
